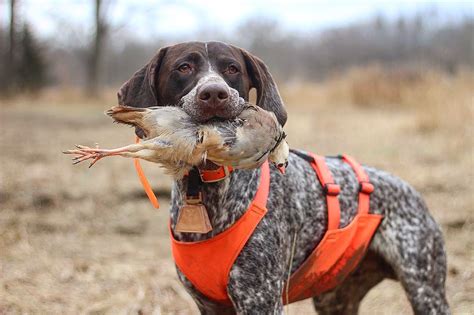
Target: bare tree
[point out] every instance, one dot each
(97, 47)
(31, 68)
(9, 62)
(12, 33)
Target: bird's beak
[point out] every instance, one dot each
(282, 169)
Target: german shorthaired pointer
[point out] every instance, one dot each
(206, 79)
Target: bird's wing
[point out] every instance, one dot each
(246, 141)
(173, 125)
(154, 121)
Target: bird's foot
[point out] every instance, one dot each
(83, 153)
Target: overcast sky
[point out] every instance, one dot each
(147, 18)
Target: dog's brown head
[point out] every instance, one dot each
(206, 79)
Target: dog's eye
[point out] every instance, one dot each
(185, 68)
(232, 69)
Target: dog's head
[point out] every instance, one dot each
(206, 79)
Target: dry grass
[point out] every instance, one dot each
(74, 240)
(438, 100)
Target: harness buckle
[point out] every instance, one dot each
(331, 189)
(366, 187)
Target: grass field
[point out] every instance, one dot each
(77, 240)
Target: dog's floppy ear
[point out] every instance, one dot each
(268, 96)
(139, 90)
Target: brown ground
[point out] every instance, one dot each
(78, 240)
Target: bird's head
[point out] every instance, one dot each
(279, 155)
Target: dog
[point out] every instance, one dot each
(206, 79)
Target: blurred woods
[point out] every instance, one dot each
(106, 55)
(23, 65)
(394, 91)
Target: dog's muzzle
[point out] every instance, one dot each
(212, 98)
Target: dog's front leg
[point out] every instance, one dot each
(257, 277)
(256, 292)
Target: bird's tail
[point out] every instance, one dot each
(132, 116)
(126, 114)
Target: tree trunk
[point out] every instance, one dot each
(96, 51)
(10, 57)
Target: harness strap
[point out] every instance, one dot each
(330, 189)
(341, 250)
(365, 186)
(194, 187)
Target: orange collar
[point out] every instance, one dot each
(212, 176)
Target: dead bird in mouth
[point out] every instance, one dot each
(178, 143)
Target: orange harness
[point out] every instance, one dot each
(207, 263)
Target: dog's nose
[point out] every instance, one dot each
(213, 95)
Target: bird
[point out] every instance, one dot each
(177, 143)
